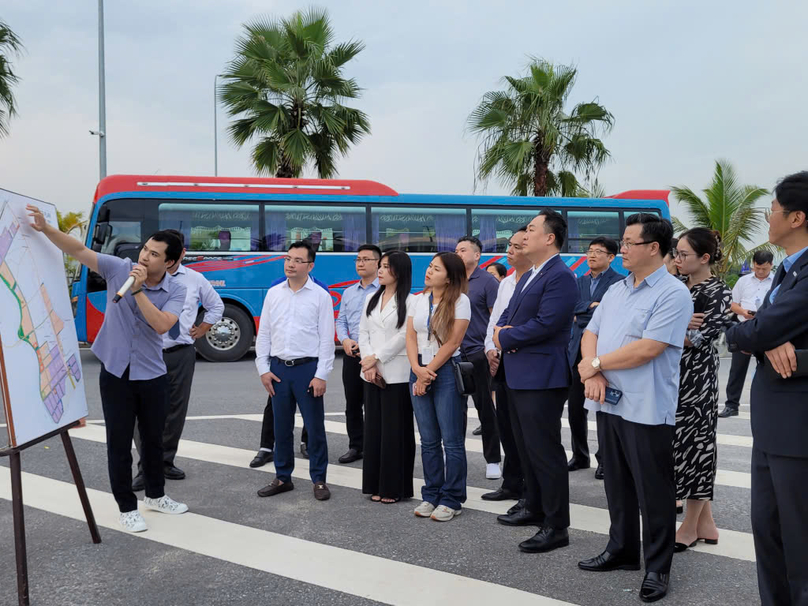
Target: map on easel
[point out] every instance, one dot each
(41, 380)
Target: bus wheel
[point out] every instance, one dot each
(230, 338)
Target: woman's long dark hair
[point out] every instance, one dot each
(443, 320)
(401, 267)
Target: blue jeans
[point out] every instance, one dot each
(441, 416)
(293, 386)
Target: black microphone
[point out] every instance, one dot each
(122, 290)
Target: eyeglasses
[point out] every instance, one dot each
(296, 261)
(628, 245)
(768, 213)
(363, 260)
(597, 251)
(681, 255)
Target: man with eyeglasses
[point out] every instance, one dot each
(350, 312)
(591, 288)
(630, 355)
(294, 354)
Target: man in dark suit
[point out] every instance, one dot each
(778, 330)
(533, 334)
(591, 288)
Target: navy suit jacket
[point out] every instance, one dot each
(583, 313)
(535, 349)
(779, 410)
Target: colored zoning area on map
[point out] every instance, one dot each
(42, 334)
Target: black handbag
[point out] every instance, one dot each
(464, 377)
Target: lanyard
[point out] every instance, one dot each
(429, 319)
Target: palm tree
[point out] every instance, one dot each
(530, 142)
(69, 221)
(286, 89)
(729, 208)
(9, 45)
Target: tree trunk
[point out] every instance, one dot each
(542, 165)
(285, 170)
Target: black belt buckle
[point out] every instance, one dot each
(289, 363)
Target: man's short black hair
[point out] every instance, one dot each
(792, 193)
(610, 245)
(761, 257)
(173, 243)
(555, 224)
(473, 240)
(377, 252)
(179, 234)
(654, 229)
(307, 246)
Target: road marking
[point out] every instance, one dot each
(733, 544)
(352, 572)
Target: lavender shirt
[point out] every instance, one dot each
(126, 339)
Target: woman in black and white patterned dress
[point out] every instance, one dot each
(695, 455)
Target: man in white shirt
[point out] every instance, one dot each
(294, 354)
(512, 477)
(747, 296)
(179, 355)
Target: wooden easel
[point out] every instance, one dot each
(13, 453)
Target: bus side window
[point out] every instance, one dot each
(327, 228)
(494, 227)
(585, 225)
(424, 230)
(213, 227)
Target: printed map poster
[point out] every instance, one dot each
(42, 386)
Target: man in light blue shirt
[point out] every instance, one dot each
(633, 344)
(350, 311)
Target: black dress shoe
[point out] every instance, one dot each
(599, 472)
(728, 411)
(349, 457)
(606, 562)
(478, 431)
(500, 495)
(173, 473)
(262, 458)
(520, 505)
(304, 450)
(275, 488)
(654, 586)
(575, 465)
(523, 517)
(138, 483)
(546, 539)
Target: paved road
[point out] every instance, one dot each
(235, 548)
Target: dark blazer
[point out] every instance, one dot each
(583, 313)
(779, 406)
(535, 349)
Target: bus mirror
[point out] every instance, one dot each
(102, 232)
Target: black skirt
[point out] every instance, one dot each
(389, 443)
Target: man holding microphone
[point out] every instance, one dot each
(143, 303)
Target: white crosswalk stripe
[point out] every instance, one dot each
(733, 544)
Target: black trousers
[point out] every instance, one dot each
(639, 479)
(544, 463)
(124, 402)
(485, 405)
(737, 377)
(180, 365)
(268, 427)
(578, 417)
(512, 477)
(779, 514)
(354, 401)
(389, 441)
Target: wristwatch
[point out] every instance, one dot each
(596, 363)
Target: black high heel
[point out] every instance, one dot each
(708, 541)
(680, 547)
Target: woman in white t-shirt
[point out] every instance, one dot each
(436, 325)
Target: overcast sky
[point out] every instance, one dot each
(688, 82)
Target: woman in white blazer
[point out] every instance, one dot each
(389, 448)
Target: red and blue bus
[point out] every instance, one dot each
(237, 231)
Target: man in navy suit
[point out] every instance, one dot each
(777, 335)
(591, 288)
(533, 334)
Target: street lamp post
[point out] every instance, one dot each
(102, 101)
(215, 127)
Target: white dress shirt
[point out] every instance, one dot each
(536, 270)
(197, 291)
(749, 292)
(296, 325)
(379, 336)
(504, 294)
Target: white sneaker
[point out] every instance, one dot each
(444, 514)
(424, 510)
(165, 504)
(132, 521)
(493, 471)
